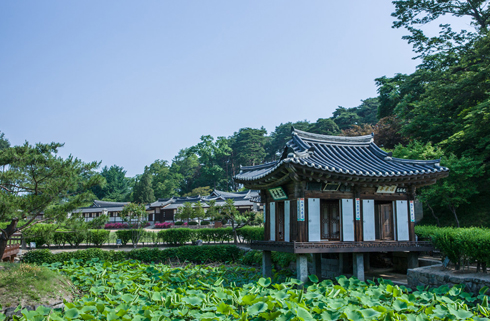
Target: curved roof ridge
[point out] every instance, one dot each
(265, 165)
(365, 139)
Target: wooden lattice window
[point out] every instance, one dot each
(330, 220)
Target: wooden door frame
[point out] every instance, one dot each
(324, 203)
(378, 226)
(280, 213)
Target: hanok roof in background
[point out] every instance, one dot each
(239, 198)
(342, 157)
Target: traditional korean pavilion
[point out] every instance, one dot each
(337, 194)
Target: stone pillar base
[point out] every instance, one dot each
(266, 264)
(302, 267)
(358, 270)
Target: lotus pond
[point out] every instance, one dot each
(131, 290)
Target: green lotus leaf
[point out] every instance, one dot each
(370, 314)
(257, 308)
(195, 301)
(72, 313)
(264, 282)
(313, 278)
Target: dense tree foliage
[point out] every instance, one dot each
(117, 187)
(443, 107)
(4, 142)
(34, 180)
(143, 191)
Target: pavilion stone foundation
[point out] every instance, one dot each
(302, 267)
(435, 276)
(266, 264)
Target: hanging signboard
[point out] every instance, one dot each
(278, 193)
(412, 212)
(386, 189)
(358, 209)
(331, 187)
(301, 209)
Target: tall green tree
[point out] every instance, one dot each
(213, 155)
(143, 192)
(280, 136)
(248, 146)
(185, 167)
(136, 215)
(117, 187)
(325, 126)
(164, 181)
(458, 189)
(346, 117)
(237, 220)
(414, 14)
(4, 142)
(185, 212)
(34, 180)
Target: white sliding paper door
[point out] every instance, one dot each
(402, 221)
(368, 223)
(347, 220)
(272, 210)
(313, 219)
(287, 212)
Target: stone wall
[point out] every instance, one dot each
(435, 276)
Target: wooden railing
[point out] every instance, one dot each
(12, 248)
(342, 247)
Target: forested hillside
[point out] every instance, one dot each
(442, 110)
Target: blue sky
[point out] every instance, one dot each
(129, 82)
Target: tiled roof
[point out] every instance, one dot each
(357, 156)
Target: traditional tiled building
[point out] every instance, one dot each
(336, 194)
(164, 210)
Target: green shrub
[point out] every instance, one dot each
(177, 235)
(75, 237)
(179, 223)
(425, 232)
(283, 260)
(195, 254)
(59, 237)
(460, 245)
(124, 236)
(205, 222)
(206, 234)
(193, 223)
(42, 234)
(98, 222)
(223, 234)
(251, 233)
(38, 256)
(98, 237)
(45, 256)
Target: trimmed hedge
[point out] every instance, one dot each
(460, 245)
(280, 259)
(177, 235)
(195, 254)
(251, 233)
(45, 256)
(98, 237)
(45, 234)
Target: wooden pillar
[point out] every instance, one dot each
(302, 226)
(267, 226)
(317, 265)
(411, 207)
(266, 264)
(357, 214)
